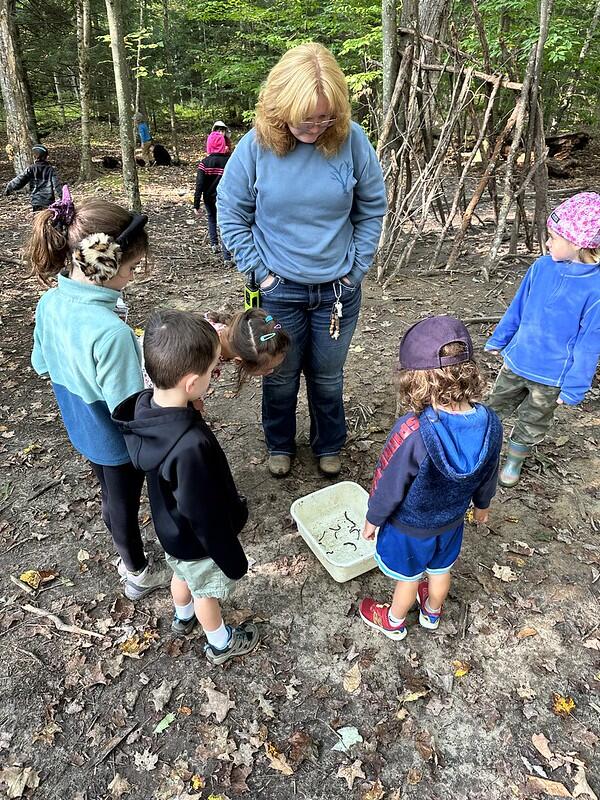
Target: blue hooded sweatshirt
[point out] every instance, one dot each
(432, 466)
(305, 217)
(550, 333)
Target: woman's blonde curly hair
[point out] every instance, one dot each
(291, 93)
(445, 386)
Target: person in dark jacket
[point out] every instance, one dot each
(210, 172)
(438, 458)
(43, 181)
(197, 511)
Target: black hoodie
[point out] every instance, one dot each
(196, 509)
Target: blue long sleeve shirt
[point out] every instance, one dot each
(550, 333)
(302, 216)
(93, 361)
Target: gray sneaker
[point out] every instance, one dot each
(279, 466)
(182, 627)
(243, 640)
(155, 576)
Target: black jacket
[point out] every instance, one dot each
(43, 183)
(196, 509)
(210, 172)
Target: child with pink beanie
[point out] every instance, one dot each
(210, 172)
(549, 336)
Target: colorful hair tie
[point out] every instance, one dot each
(266, 336)
(268, 318)
(277, 327)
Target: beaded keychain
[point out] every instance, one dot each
(336, 312)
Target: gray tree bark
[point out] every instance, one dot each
(114, 13)
(84, 34)
(390, 51)
(169, 66)
(21, 127)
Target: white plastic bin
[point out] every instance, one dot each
(330, 521)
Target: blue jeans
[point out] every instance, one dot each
(304, 310)
(213, 234)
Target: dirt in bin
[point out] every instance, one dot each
(502, 700)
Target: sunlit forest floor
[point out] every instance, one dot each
(501, 701)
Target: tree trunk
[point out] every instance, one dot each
(169, 66)
(138, 59)
(84, 32)
(59, 99)
(568, 96)
(123, 92)
(390, 51)
(20, 119)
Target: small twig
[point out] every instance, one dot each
(21, 584)
(44, 489)
(115, 742)
(59, 624)
(475, 320)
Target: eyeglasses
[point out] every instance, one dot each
(307, 126)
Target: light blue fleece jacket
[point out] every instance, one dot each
(550, 333)
(93, 361)
(302, 216)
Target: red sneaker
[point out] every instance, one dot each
(376, 616)
(426, 618)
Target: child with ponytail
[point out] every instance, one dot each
(91, 356)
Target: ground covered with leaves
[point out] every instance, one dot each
(101, 701)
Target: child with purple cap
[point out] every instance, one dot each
(549, 336)
(439, 457)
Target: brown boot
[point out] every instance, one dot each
(330, 465)
(279, 466)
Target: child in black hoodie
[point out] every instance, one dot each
(197, 511)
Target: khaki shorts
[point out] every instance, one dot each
(203, 577)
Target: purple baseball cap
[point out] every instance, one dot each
(422, 343)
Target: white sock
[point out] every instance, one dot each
(394, 620)
(431, 610)
(185, 613)
(219, 638)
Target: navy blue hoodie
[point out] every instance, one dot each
(432, 466)
(196, 509)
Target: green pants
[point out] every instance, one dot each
(533, 402)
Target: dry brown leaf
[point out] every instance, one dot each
(424, 745)
(265, 706)
(37, 577)
(592, 644)
(161, 695)
(352, 679)
(18, 779)
(503, 573)
(119, 786)
(582, 787)
(414, 776)
(539, 741)
(549, 788)
(375, 792)
(301, 748)
(47, 733)
(238, 779)
(461, 668)
(525, 632)
(277, 760)
(525, 691)
(351, 772)
(217, 703)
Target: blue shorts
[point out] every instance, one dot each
(406, 558)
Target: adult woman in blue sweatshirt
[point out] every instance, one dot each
(301, 205)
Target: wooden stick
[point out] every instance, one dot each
(59, 624)
(426, 38)
(517, 87)
(11, 260)
(21, 584)
(475, 320)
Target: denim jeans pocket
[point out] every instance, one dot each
(270, 289)
(351, 288)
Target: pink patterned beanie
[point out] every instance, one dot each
(578, 220)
